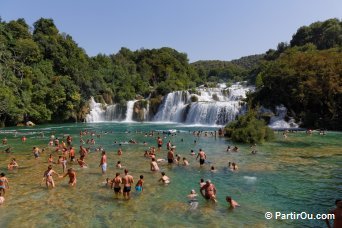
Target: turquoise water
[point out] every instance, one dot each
(300, 173)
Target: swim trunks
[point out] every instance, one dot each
(138, 188)
(117, 189)
(127, 189)
(170, 160)
(104, 167)
(201, 161)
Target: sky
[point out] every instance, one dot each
(204, 29)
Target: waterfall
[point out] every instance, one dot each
(96, 112)
(129, 112)
(209, 106)
(278, 120)
(171, 109)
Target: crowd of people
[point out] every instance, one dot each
(122, 184)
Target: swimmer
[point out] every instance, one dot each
(139, 185)
(212, 169)
(154, 165)
(103, 162)
(23, 139)
(81, 162)
(36, 152)
(119, 151)
(4, 141)
(72, 154)
(165, 179)
(8, 150)
(202, 183)
(72, 177)
(192, 153)
(232, 203)
(202, 156)
(50, 159)
(159, 143)
(170, 156)
(127, 182)
(63, 163)
(209, 191)
(118, 165)
(116, 182)
(234, 167)
(3, 184)
(193, 202)
(185, 162)
(48, 177)
(13, 164)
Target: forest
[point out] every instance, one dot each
(46, 77)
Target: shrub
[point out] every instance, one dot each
(249, 129)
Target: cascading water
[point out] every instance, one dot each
(96, 112)
(209, 106)
(129, 112)
(278, 120)
(171, 110)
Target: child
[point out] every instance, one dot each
(139, 186)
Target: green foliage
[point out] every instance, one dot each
(308, 83)
(248, 129)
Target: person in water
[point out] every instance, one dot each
(202, 156)
(48, 177)
(103, 162)
(232, 203)
(139, 185)
(127, 182)
(13, 164)
(81, 162)
(3, 184)
(116, 182)
(209, 191)
(154, 165)
(337, 212)
(193, 202)
(72, 177)
(165, 179)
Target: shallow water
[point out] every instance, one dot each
(300, 173)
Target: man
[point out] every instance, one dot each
(116, 184)
(83, 151)
(170, 156)
(127, 182)
(165, 179)
(3, 184)
(337, 212)
(202, 156)
(48, 177)
(209, 191)
(154, 165)
(103, 162)
(160, 143)
(72, 177)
